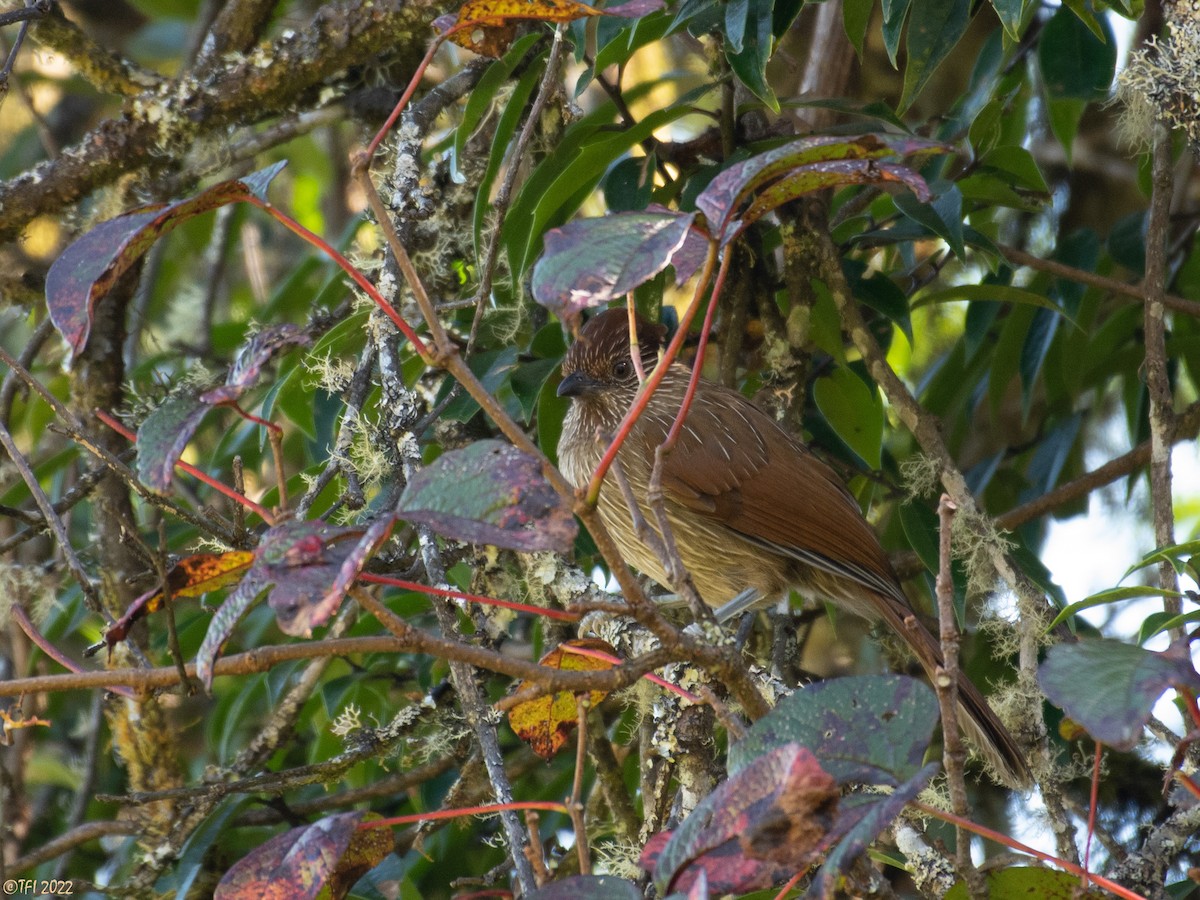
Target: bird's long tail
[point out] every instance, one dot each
(979, 722)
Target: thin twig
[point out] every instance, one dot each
(81, 834)
(391, 786)
(575, 805)
(90, 594)
(1091, 279)
(370, 744)
(954, 753)
(1158, 385)
(39, 640)
(212, 522)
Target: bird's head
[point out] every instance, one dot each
(599, 361)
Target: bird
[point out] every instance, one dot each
(753, 512)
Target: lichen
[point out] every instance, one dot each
(1162, 83)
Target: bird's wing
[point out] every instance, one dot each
(734, 464)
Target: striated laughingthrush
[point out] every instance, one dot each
(750, 507)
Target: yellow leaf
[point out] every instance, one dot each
(546, 722)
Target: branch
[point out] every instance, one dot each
(81, 834)
(52, 520)
(405, 639)
(162, 126)
(954, 753)
(1158, 384)
(105, 71)
(1113, 286)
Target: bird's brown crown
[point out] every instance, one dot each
(600, 356)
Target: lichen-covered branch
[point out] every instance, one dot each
(162, 125)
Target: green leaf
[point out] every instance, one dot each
(984, 130)
(480, 100)
(920, 525)
(196, 849)
(506, 128)
(825, 324)
(1065, 116)
(855, 412)
(528, 378)
(1025, 882)
(943, 215)
(894, 13)
(994, 293)
(564, 179)
(750, 63)
(629, 185)
(872, 729)
(1083, 11)
(633, 37)
(1018, 163)
(934, 27)
(1011, 14)
(1076, 64)
(1112, 595)
(737, 14)
(1157, 623)
(1178, 555)
(856, 16)
(881, 294)
(551, 410)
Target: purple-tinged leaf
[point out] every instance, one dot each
(1110, 687)
(225, 619)
(163, 436)
(304, 561)
(297, 864)
(84, 272)
(258, 182)
(775, 812)
(634, 9)
(821, 175)
(252, 357)
(731, 188)
(490, 493)
(300, 561)
(589, 262)
(88, 268)
(352, 565)
(861, 819)
(725, 869)
(689, 257)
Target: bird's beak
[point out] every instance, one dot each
(577, 384)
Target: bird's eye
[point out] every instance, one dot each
(621, 368)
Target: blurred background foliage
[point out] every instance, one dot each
(1035, 376)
